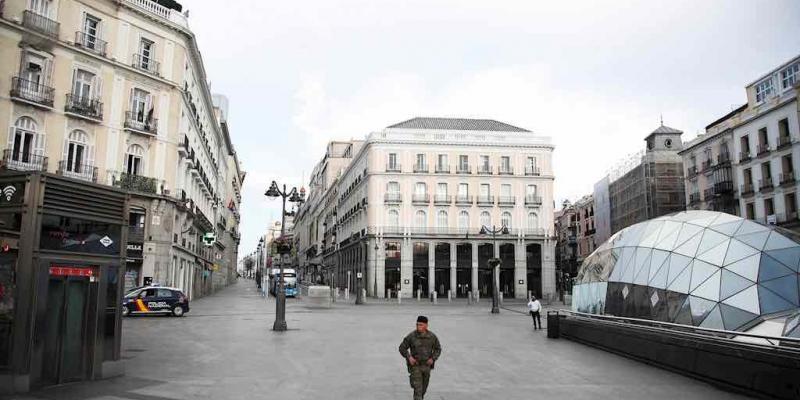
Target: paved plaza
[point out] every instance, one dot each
(224, 349)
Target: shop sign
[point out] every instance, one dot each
(134, 250)
(12, 192)
(66, 270)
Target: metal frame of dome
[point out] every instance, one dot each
(700, 268)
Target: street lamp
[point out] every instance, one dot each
(280, 298)
(375, 271)
(494, 262)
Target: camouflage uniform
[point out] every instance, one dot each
(422, 346)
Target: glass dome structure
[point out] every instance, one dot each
(699, 268)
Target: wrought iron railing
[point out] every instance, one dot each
(532, 199)
(146, 64)
(532, 171)
(392, 197)
(420, 198)
(83, 105)
(744, 156)
(464, 199)
(506, 200)
(463, 169)
(84, 172)
(765, 185)
(787, 178)
(506, 170)
(784, 141)
(140, 122)
(442, 169)
(40, 23)
(420, 167)
(393, 167)
(746, 189)
(485, 169)
(442, 199)
(485, 199)
(32, 91)
(762, 149)
(19, 161)
(90, 42)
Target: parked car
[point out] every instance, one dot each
(155, 300)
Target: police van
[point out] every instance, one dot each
(155, 300)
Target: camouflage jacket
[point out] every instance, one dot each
(421, 346)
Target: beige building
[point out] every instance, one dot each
(404, 210)
(114, 92)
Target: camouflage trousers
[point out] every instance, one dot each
(418, 376)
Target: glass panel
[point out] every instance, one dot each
(690, 247)
(789, 257)
(709, 289)
(8, 263)
(716, 255)
(700, 272)
(660, 278)
(713, 320)
(112, 302)
(55, 303)
(778, 241)
(747, 267)
(785, 287)
(72, 350)
(700, 309)
(756, 240)
(770, 269)
(733, 318)
(643, 273)
(727, 229)
(687, 232)
(656, 259)
(681, 283)
(677, 263)
(710, 240)
(79, 235)
(684, 313)
(732, 284)
(750, 227)
(746, 300)
(771, 302)
(737, 251)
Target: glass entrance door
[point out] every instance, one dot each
(65, 332)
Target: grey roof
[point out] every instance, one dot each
(457, 124)
(665, 129)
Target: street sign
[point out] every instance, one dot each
(209, 238)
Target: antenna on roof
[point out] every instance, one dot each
(661, 117)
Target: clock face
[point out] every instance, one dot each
(668, 143)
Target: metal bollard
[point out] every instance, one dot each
(435, 298)
(347, 294)
(364, 293)
(399, 297)
(500, 297)
(449, 296)
(477, 297)
(419, 294)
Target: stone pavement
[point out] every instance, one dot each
(224, 349)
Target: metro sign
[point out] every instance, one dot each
(63, 270)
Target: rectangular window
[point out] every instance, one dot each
(393, 187)
(769, 207)
(420, 188)
(463, 162)
(82, 87)
(485, 190)
(463, 189)
(441, 189)
(133, 165)
(791, 204)
(745, 143)
(505, 190)
(392, 160)
(783, 128)
(139, 105)
(763, 138)
(748, 176)
(505, 164)
(146, 50)
(420, 160)
(484, 163)
(763, 90)
(442, 161)
(766, 172)
(750, 210)
(789, 76)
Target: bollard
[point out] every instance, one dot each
(435, 298)
(500, 297)
(449, 296)
(419, 294)
(364, 294)
(399, 297)
(469, 299)
(347, 294)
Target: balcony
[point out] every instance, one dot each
(785, 142)
(393, 167)
(506, 200)
(464, 199)
(694, 198)
(746, 189)
(85, 107)
(762, 150)
(706, 165)
(420, 168)
(723, 159)
(442, 199)
(84, 172)
(765, 185)
(19, 161)
(505, 170)
(392, 198)
(485, 200)
(485, 170)
(137, 122)
(744, 156)
(136, 234)
(532, 171)
(533, 200)
(30, 91)
(442, 169)
(91, 43)
(146, 64)
(691, 171)
(464, 169)
(533, 231)
(183, 148)
(724, 187)
(136, 183)
(708, 193)
(420, 198)
(787, 179)
(40, 23)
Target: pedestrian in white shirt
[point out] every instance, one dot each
(535, 308)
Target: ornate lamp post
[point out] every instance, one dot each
(280, 298)
(494, 262)
(375, 273)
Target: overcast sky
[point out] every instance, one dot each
(595, 76)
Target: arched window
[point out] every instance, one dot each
(486, 219)
(441, 219)
(26, 144)
(463, 220)
(505, 219)
(533, 220)
(77, 153)
(134, 160)
(393, 218)
(421, 219)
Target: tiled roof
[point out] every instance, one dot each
(666, 129)
(457, 124)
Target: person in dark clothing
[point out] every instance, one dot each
(420, 349)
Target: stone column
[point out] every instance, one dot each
(453, 270)
(431, 267)
(407, 268)
(474, 284)
(371, 267)
(381, 270)
(549, 269)
(520, 270)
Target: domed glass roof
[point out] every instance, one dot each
(699, 268)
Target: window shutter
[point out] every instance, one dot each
(74, 81)
(83, 22)
(65, 154)
(130, 102)
(48, 71)
(97, 90)
(23, 58)
(39, 144)
(11, 131)
(90, 156)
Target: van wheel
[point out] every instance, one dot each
(125, 311)
(177, 311)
